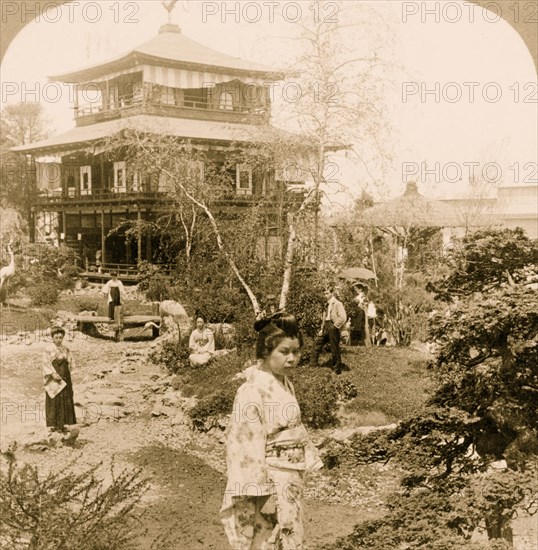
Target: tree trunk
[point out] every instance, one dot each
(288, 266)
(367, 337)
(220, 244)
(498, 527)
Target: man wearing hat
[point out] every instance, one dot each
(334, 318)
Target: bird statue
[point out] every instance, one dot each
(6, 273)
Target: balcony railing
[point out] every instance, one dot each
(125, 271)
(127, 102)
(97, 195)
(110, 196)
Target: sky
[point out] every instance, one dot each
(464, 100)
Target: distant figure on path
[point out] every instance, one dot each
(334, 318)
(114, 290)
(201, 344)
(357, 323)
(268, 448)
(57, 365)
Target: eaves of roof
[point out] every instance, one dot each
(189, 129)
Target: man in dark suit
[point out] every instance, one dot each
(334, 318)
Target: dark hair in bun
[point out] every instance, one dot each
(273, 329)
(57, 330)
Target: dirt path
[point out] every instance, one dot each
(127, 418)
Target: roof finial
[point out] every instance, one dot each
(169, 6)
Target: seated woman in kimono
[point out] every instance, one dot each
(267, 447)
(201, 344)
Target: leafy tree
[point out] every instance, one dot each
(153, 157)
(339, 104)
(482, 260)
(21, 123)
(44, 271)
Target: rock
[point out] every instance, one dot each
(127, 369)
(187, 403)
(102, 396)
(173, 309)
(179, 419)
(72, 435)
(170, 399)
(45, 439)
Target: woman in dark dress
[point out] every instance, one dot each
(57, 364)
(356, 328)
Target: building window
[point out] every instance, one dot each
(135, 181)
(113, 97)
(85, 180)
(226, 101)
(120, 179)
(195, 97)
(168, 95)
(243, 179)
(195, 170)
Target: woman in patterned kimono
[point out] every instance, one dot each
(201, 344)
(267, 447)
(57, 364)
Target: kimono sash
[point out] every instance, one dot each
(292, 449)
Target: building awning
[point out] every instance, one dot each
(178, 78)
(182, 128)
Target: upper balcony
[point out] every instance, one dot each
(223, 103)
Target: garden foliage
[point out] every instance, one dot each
(44, 272)
(482, 409)
(67, 511)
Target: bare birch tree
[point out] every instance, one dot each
(340, 106)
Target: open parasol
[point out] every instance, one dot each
(354, 273)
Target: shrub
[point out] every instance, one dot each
(215, 388)
(64, 510)
(174, 356)
(208, 412)
(220, 304)
(158, 288)
(405, 312)
(72, 271)
(87, 303)
(44, 293)
(318, 394)
(209, 383)
(306, 300)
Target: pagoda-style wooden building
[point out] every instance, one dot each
(171, 84)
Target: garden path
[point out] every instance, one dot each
(128, 421)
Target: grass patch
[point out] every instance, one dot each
(204, 381)
(214, 387)
(15, 321)
(383, 385)
(392, 383)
